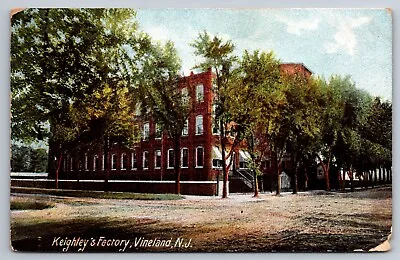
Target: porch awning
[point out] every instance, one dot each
(244, 156)
(216, 153)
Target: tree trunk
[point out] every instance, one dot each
(340, 179)
(325, 168)
(58, 169)
(384, 177)
(351, 179)
(224, 169)
(295, 181)
(373, 178)
(50, 158)
(271, 181)
(305, 178)
(380, 174)
(326, 172)
(177, 168)
(344, 180)
(279, 171)
(255, 184)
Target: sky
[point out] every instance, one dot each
(355, 42)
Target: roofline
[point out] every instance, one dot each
(298, 63)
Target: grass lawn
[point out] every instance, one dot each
(27, 204)
(97, 194)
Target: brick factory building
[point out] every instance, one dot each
(148, 166)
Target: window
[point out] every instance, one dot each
(199, 125)
(71, 164)
(217, 163)
(215, 126)
(243, 165)
(113, 162)
(145, 160)
(133, 161)
(185, 96)
(185, 130)
(86, 163)
(171, 159)
(158, 131)
(199, 157)
(65, 164)
(124, 161)
(216, 157)
(157, 159)
(185, 158)
(199, 93)
(244, 158)
(102, 162)
(95, 162)
(146, 131)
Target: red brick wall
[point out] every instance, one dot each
(295, 68)
(191, 141)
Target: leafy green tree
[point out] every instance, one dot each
(28, 159)
(376, 135)
(331, 123)
(60, 60)
(303, 96)
(297, 122)
(218, 56)
(38, 160)
(252, 100)
(161, 97)
(20, 158)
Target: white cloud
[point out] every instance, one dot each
(345, 37)
(296, 27)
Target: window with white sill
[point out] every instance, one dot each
(199, 125)
(199, 157)
(200, 93)
(185, 157)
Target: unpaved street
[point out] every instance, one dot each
(306, 222)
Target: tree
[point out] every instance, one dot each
(218, 56)
(28, 159)
(38, 160)
(20, 158)
(331, 124)
(304, 124)
(376, 136)
(60, 60)
(251, 100)
(347, 110)
(296, 121)
(161, 96)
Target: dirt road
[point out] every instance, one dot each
(306, 222)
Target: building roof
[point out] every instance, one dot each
(298, 64)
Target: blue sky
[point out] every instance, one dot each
(355, 42)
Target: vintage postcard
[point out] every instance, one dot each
(201, 130)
